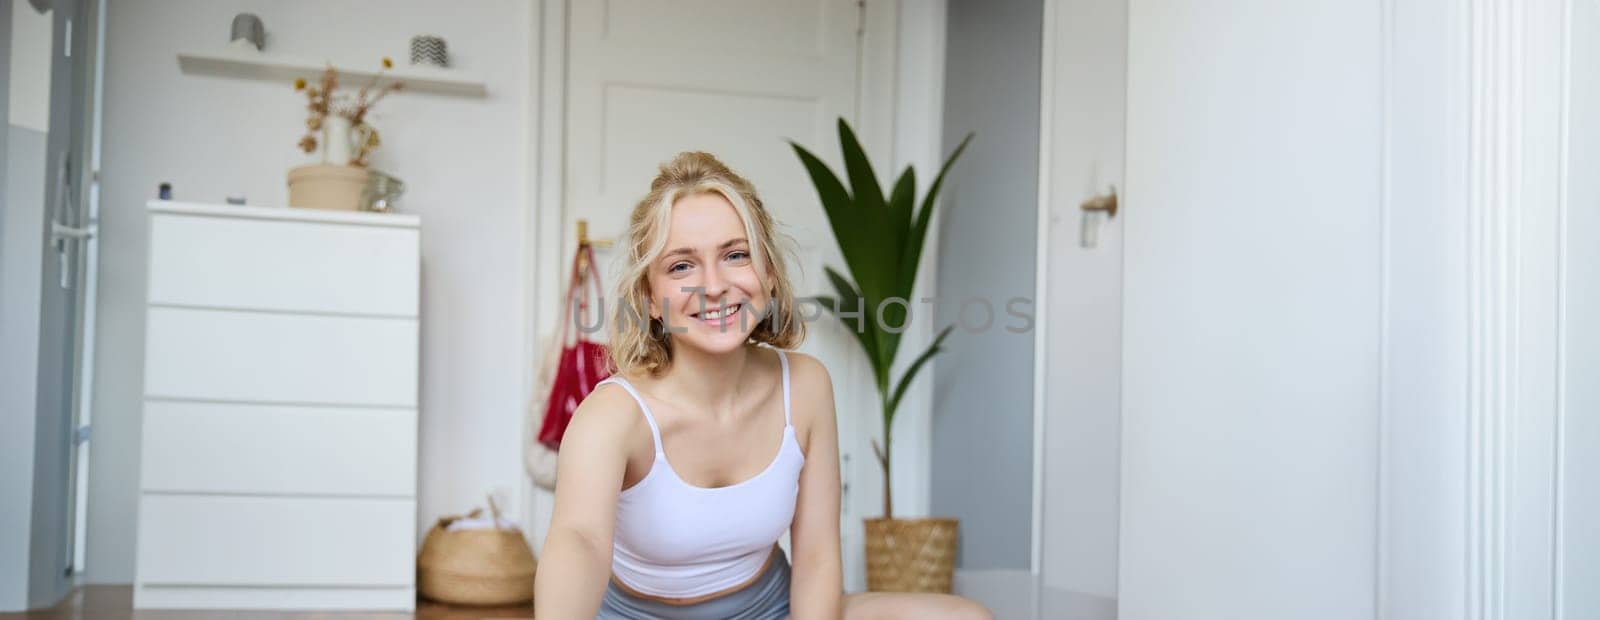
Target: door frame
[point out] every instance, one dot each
(1470, 471)
(1041, 289)
(1041, 299)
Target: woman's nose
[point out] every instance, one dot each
(715, 284)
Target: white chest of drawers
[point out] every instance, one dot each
(279, 441)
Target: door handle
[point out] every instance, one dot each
(1089, 230)
(61, 232)
(58, 232)
(1105, 202)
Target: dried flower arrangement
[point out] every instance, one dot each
(322, 99)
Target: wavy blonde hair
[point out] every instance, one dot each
(638, 342)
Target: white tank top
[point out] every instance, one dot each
(677, 540)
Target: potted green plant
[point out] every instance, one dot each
(881, 239)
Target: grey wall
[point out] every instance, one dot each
(22, 157)
(20, 250)
(35, 321)
(16, 384)
(983, 413)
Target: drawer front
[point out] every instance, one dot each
(280, 358)
(272, 449)
(200, 540)
(285, 266)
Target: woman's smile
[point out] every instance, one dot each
(719, 317)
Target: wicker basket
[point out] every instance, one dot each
(489, 567)
(910, 555)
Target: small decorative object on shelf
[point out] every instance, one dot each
(340, 181)
(381, 192)
(248, 32)
(429, 50)
(327, 109)
(164, 192)
(337, 136)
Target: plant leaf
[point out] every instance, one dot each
(863, 183)
(919, 232)
(847, 222)
(916, 366)
(829, 303)
(879, 269)
(864, 330)
(902, 201)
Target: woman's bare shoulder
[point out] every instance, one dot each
(810, 390)
(609, 413)
(805, 370)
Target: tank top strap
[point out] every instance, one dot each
(784, 360)
(655, 431)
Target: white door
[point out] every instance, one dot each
(1083, 105)
(1252, 278)
(647, 80)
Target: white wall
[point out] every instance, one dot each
(1423, 523)
(30, 67)
(1252, 253)
(465, 165)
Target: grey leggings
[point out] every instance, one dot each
(766, 598)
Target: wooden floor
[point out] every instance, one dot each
(116, 603)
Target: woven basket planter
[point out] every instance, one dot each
(911, 555)
(490, 567)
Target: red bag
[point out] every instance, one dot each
(583, 361)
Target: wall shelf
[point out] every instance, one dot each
(248, 63)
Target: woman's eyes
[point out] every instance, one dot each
(736, 255)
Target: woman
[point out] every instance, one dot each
(679, 474)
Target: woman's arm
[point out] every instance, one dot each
(818, 575)
(577, 550)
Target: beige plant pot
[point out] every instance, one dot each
(327, 186)
(911, 555)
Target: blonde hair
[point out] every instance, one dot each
(640, 342)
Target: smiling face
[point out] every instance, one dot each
(705, 260)
(706, 276)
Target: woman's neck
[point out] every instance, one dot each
(710, 380)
